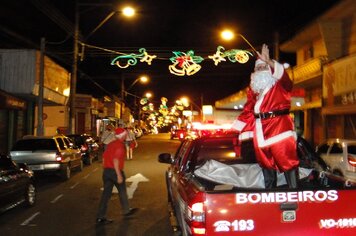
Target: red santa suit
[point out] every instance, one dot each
(267, 114)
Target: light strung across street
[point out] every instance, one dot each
(183, 63)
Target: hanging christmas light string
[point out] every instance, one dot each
(184, 63)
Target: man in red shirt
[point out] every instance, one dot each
(113, 174)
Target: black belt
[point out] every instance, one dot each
(271, 114)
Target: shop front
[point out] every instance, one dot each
(339, 99)
(12, 120)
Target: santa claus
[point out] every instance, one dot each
(266, 119)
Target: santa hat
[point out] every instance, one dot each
(259, 61)
(119, 132)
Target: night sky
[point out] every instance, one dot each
(160, 27)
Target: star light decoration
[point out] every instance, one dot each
(131, 59)
(234, 55)
(183, 63)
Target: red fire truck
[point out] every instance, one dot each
(215, 191)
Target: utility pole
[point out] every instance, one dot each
(276, 46)
(40, 90)
(73, 81)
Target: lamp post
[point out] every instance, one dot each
(128, 11)
(124, 92)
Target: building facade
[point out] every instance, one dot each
(326, 70)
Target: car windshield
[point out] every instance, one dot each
(34, 144)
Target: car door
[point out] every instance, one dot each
(335, 158)
(73, 150)
(12, 182)
(63, 150)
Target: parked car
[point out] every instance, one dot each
(178, 133)
(54, 154)
(87, 145)
(16, 184)
(340, 156)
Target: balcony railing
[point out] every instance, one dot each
(308, 72)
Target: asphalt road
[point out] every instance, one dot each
(69, 208)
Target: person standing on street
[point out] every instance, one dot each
(130, 142)
(113, 175)
(267, 111)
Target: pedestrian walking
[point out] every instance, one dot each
(130, 143)
(113, 175)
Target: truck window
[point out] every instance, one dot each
(222, 150)
(182, 155)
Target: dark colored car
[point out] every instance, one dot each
(16, 184)
(88, 146)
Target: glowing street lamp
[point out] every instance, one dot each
(128, 11)
(143, 79)
(229, 35)
(148, 95)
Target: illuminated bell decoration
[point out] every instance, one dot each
(185, 63)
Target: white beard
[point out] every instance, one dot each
(261, 80)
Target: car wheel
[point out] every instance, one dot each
(66, 172)
(90, 160)
(81, 165)
(30, 197)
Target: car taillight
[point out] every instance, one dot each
(59, 157)
(84, 147)
(196, 217)
(351, 160)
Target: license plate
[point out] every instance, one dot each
(36, 167)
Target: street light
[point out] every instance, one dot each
(186, 102)
(127, 12)
(143, 79)
(229, 35)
